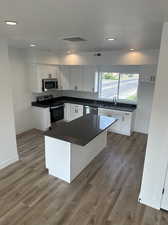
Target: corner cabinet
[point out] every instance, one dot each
(124, 124)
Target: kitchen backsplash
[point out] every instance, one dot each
(70, 93)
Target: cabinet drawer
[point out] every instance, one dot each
(76, 111)
(77, 108)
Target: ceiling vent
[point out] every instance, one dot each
(74, 39)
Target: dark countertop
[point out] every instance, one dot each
(89, 102)
(82, 130)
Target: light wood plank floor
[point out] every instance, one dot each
(105, 193)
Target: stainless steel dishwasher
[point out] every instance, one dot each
(90, 109)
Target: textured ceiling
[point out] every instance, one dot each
(134, 23)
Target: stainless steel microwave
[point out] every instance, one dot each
(49, 84)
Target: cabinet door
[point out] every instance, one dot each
(39, 72)
(76, 111)
(76, 79)
(126, 123)
(65, 78)
(89, 78)
(35, 85)
(44, 71)
(117, 125)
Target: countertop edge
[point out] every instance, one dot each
(52, 136)
(77, 143)
(127, 108)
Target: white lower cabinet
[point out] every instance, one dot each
(41, 118)
(124, 124)
(72, 111)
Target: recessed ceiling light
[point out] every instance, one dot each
(11, 23)
(32, 45)
(110, 39)
(132, 49)
(69, 52)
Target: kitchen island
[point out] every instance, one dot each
(70, 147)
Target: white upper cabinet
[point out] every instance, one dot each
(71, 78)
(39, 72)
(76, 78)
(79, 78)
(89, 78)
(65, 77)
(45, 71)
(35, 85)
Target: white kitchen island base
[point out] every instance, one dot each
(65, 160)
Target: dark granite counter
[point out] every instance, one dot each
(82, 130)
(88, 102)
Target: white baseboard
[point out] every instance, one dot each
(8, 162)
(140, 131)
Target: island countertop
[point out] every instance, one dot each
(82, 130)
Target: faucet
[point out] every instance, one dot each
(115, 100)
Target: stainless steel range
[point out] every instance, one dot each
(56, 109)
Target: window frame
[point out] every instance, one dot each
(118, 88)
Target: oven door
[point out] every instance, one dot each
(57, 113)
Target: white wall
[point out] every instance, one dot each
(145, 57)
(20, 90)
(145, 98)
(156, 159)
(144, 107)
(8, 150)
(113, 58)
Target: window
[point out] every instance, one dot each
(120, 85)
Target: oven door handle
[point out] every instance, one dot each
(57, 107)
